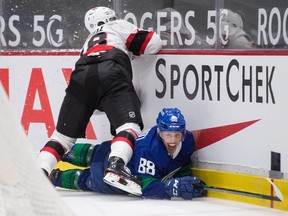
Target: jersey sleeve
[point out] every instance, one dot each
(140, 41)
(153, 188)
(144, 42)
(154, 45)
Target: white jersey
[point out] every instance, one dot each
(124, 36)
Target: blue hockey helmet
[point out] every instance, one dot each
(171, 119)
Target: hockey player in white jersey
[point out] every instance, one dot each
(102, 80)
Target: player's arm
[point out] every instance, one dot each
(186, 187)
(156, 187)
(152, 188)
(140, 41)
(144, 42)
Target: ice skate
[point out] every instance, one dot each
(119, 176)
(55, 177)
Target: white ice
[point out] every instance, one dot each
(95, 204)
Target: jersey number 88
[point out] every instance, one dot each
(146, 166)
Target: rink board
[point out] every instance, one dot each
(249, 185)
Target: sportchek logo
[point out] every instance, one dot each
(209, 136)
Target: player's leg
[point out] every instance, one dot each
(72, 121)
(119, 101)
(125, 118)
(70, 179)
(117, 174)
(79, 155)
(53, 151)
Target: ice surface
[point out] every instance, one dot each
(89, 203)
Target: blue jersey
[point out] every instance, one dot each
(150, 162)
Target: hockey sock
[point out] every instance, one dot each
(49, 155)
(122, 146)
(80, 155)
(69, 179)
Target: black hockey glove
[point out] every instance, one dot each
(186, 187)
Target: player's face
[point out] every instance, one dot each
(171, 140)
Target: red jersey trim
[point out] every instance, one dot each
(123, 139)
(97, 49)
(145, 43)
(130, 39)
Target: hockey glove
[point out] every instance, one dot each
(186, 187)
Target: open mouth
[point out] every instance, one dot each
(172, 144)
(171, 148)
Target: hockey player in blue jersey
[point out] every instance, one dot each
(161, 161)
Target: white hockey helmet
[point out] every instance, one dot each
(98, 16)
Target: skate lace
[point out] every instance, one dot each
(127, 170)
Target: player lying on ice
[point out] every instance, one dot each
(161, 162)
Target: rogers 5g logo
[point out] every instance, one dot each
(37, 28)
(43, 30)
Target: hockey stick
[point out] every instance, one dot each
(243, 193)
(276, 189)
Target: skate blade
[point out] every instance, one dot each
(122, 184)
